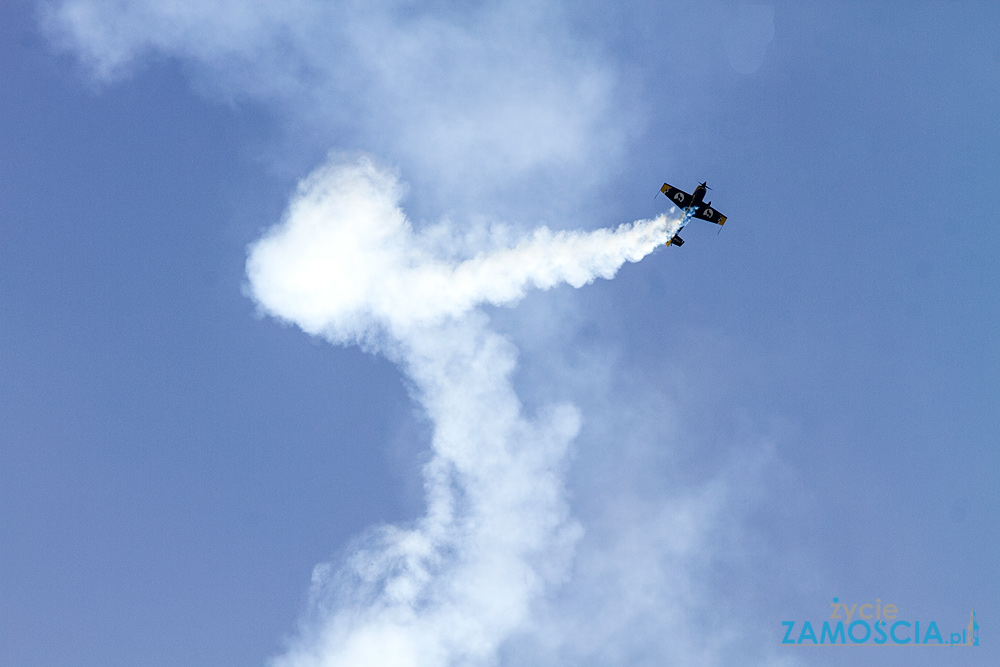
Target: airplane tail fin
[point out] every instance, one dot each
(676, 240)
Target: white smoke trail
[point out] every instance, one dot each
(347, 261)
(346, 264)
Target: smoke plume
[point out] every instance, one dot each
(346, 264)
(486, 107)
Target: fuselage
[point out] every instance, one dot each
(698, 196)
(688, 214)
(697, 203)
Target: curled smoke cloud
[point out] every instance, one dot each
(347, 265)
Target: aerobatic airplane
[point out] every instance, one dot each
(693, 207)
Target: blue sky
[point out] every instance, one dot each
(799, 408)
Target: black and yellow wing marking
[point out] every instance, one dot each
(680, 198)
(710, 214)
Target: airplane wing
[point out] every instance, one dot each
(680, 198)
(710, 214)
